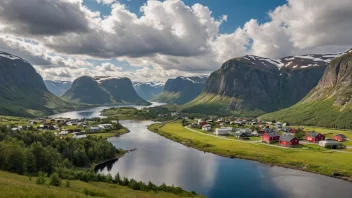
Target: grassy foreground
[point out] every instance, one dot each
(310, 158)
(13, 185)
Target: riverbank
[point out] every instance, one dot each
(310, 158)
(113, 133)
(13, 185)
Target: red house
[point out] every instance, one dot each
(203, 123)
(288, 140)
(339, 137)
(292, 130)
(270, 137)
(314, 137)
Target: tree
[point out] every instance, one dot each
(55, 180)
(41, 179)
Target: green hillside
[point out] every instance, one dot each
(329, 104)
(13, 185)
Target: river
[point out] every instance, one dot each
(160, 160)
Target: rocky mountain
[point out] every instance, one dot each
(252, 85)
(57, 87)
(102, 90)
(23, 92)
(181, 89)
(148, 90)
(329, 104)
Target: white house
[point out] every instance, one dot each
(94, 129)
(79, 135)
(63, 133)
(105, 126)
(15, 129)
(223, 131)
(330, 143)
(114, 121)
(175, 113)
(206, 127)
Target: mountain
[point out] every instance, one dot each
(57, 87)
(329, 104)
(102, 90)
(23, 92)
(181, 89)
(148, 90)
(253, 85)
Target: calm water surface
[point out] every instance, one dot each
(96, 111)
(159, 160)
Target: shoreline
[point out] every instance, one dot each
(198, 145)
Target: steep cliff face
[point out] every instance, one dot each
(121, 91)
(329, 104)
(181, 89)
(148, 90)
(103, 90)
(57, 87)
(254, 85)
(22, 90)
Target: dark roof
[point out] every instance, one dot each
(313, 134)
(341, 135)
(286, 138)
(273, 134)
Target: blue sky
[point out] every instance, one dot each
(238, 11)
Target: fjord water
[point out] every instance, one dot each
(160, 160)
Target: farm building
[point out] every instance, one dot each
(206, 127)
(331, 144)
(241, 135)
(314, 137)
(339, 137)
(271, 137)
(288, 140)
(223, 131)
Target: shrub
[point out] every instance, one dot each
(41, 179)
(55, 180)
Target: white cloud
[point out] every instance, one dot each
(170, 38)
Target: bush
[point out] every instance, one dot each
(41, 179)
(67, 184)
(55, 180)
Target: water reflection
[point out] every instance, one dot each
(95, 112)
(162, 161)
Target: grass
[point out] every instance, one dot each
(310, 158)
(13, 185)
(109, 134)
(321, 113)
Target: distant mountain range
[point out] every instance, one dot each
(102, 90)
(181, 89)
(148, 90)
(57, 87)
(253, 85)
(23, 92)
(329, 104)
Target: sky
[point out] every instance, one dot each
(151, 40)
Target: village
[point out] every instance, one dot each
(273, 133)
(75, 128)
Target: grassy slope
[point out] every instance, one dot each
(167, 97)
(214, 105)
(29, 104)
(307, 157)
(318, 113)
(13, 185)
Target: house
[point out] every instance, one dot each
(255, 134)
(63, 133)
(32, 122)
(194, 125)
(314, 137)
(271, 137)
(79, 135)
(288, 140)
(94, 129)
(15, 129)
(206, 127)
(202, 123)
(291, 130)
(114, 121)
(339, 137)
(241, 135)
(105, 126)
(331, 144)
(175, 113)
(223, 131)
(278, 125)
